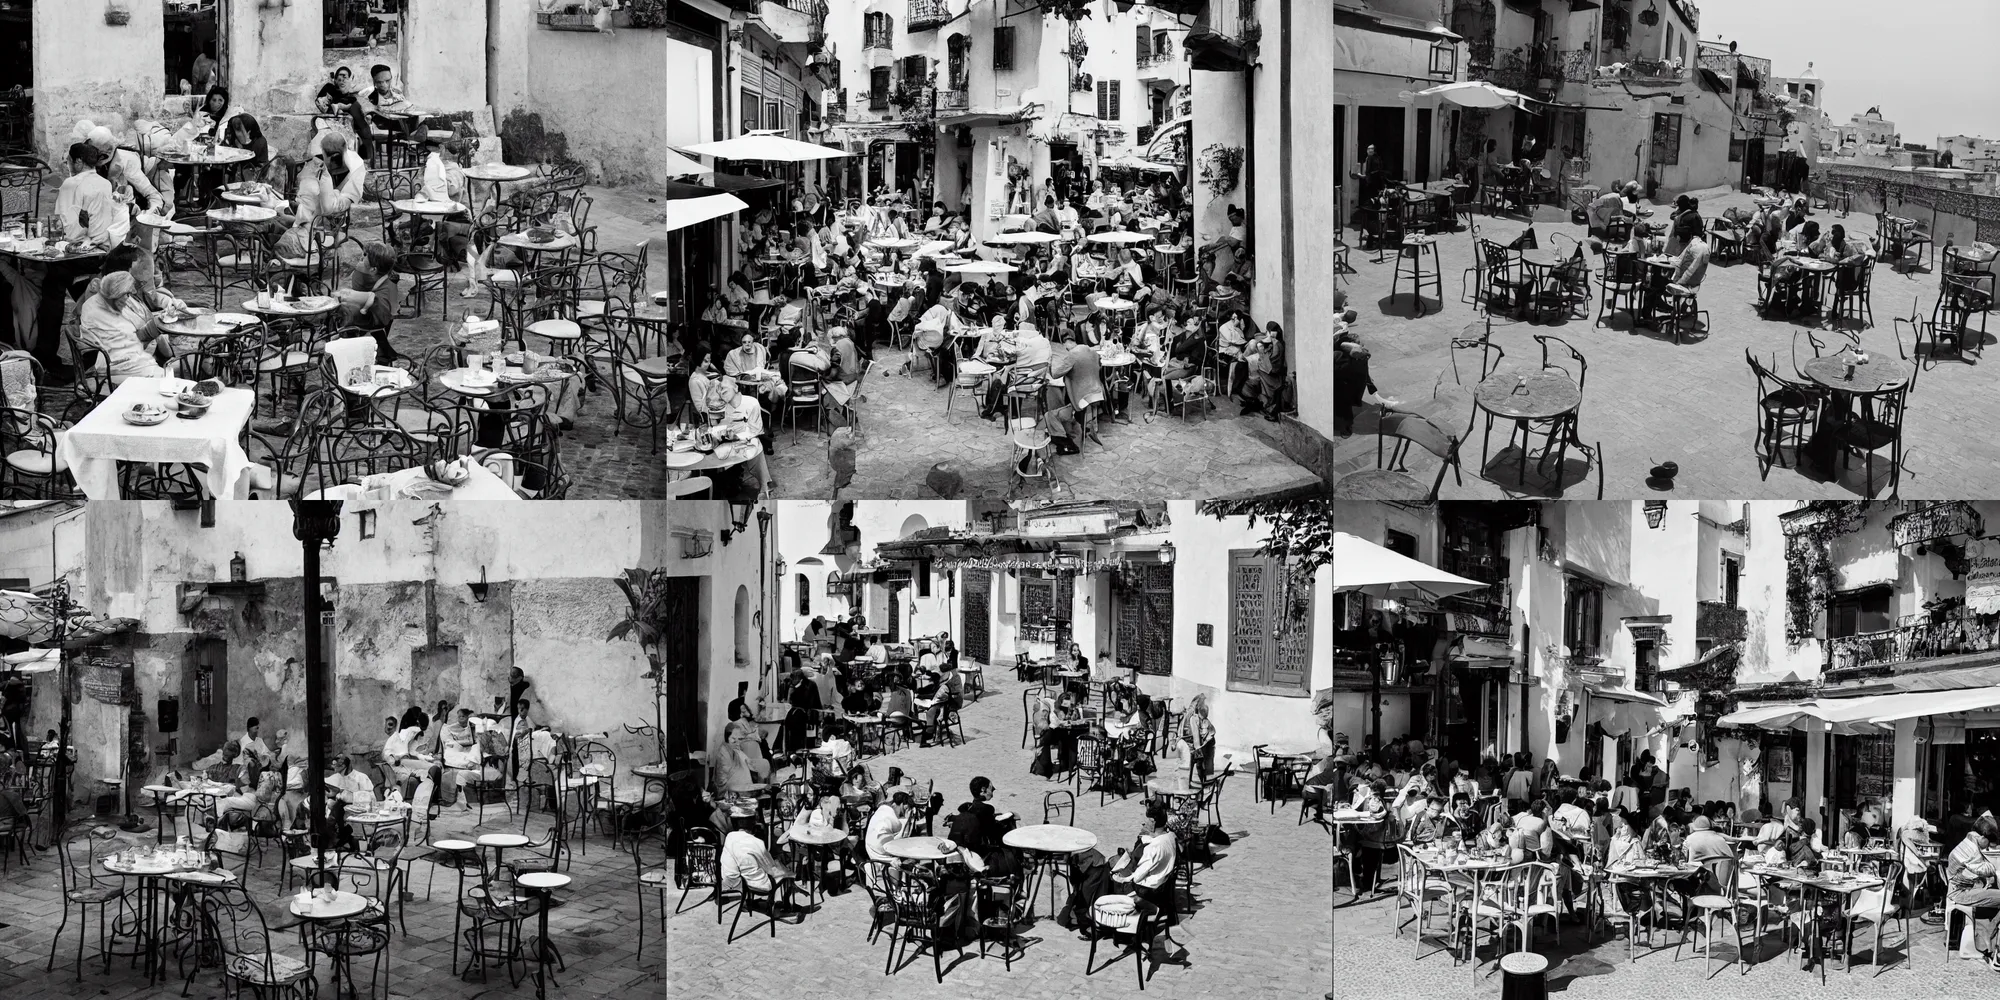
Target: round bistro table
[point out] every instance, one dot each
(542, 884)
(1524, 399)
(1052, 844)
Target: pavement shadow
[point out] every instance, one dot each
(1412, 309)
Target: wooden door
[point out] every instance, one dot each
(975, 616)
(1146, 621)
(682, 657)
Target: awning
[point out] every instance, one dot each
(1844, 720)
(1617, 711)
(686, 212)
(1891, 708)
(1706, 667)
(977, 118)
(1485, 651)
(1632, 697)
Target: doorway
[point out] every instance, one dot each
(205, 696)
(896, 610)
(909, 167)
(975, 616)
(192, 38)
(1381, 128)
(1146, 622)
(685, 713)
(1423, 145)
(17, 43)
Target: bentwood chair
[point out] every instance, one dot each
(250, 946)
(919, 904)
(1703, 909)
(1876, 427)
(83, 890)
(1876, 909)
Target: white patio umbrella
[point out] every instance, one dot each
(678, 165)
(932, 248)
(982, 267)
(1122, 237)
(1364, 567)
(893, 243)
(1130, 162)
(684, 212)
(759, 146)
(1009, 239)
(1475, 94)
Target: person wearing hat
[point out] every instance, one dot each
(86, 203)
(332, 181)
(116, 322)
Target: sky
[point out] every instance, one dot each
(1929, 64)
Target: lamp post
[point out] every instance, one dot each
(59, 771)
(315, 523)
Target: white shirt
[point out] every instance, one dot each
(1156, 861)
(357, 787)
(1573, 821)
(319, 195)
(883, 826)
(254, 744)
(89, 192)
(745, 860)
(397, 746)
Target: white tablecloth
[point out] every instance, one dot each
(102, 439)
(480, 486)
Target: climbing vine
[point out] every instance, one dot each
(1809, 567)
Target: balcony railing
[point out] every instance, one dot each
(1719, 621)
(1163, 58)
(926, 14)
(1522, 68)
(1933, 520)
(1916, 637)
(953, 100)
(1649, 71)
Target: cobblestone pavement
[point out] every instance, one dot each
(594, 927)
(906, 433)
(1371, 962)
(603, 461)
(1649, 400)
(1260, 928)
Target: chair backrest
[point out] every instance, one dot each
(1887, 404)
(1559, 356)
(1058, 804)
(1411, 428)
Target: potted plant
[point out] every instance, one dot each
(1221, 167)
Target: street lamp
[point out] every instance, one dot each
(1656, 513)
(315, 523)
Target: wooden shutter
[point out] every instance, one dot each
(1144, 49)
(1003, 47)
(1104, 100)
(1116, 86)
(1146, 622)
(1248, 629)
(1291, 645)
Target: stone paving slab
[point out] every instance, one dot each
(1649, 400)
(595, 929)
(1262, 927)
(905, 433)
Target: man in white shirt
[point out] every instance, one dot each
(331, 183)
(886, 824)
(746, 862)
(129, 184)
(252, 743)
(1149, 875)
(349, 785)
(1572, 820)
(86, 204)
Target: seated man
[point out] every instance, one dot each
(116, 322)
(746, 862)
(1605, 209)
(461, 743)
(1971, 881)
(223, 765)
(1028, 369)
(350, 787)
(406, 766)
(1148, 874)
(370, 297)
(88, 205)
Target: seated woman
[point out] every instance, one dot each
(444, 180)
(117, 322)
(370, 297)
(1265, 359)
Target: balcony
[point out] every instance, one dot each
(1145, 133)
(1718, 621)
(1934, 520)
(836, 113)
(925, 15)
(794, 22)
(1522, 68)
(953, 100)
(1648, 72)
(1916, 637)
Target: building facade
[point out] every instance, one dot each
(719, 603)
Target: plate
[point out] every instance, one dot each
(683, 459)
(477, 378)
(170, 386)
(239, 319)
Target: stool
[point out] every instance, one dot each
(1967, 948)
(1524, 976)
(1681, 302)
(1415, 250)
(1031, 449)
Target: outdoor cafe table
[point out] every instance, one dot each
(725, 455)
(497, 174)
(242, 214)
(500, 842)
(1541, 265)
(339, 909)
(923, 848)
(542, 884)
(1171, 789)
(520, 241)
(815, 840)
(201, 156)
(102, 439)
(1054, 844)
(148, 868)
(481, 485)
(37, 279)
(1818, 887)
(1653, 875)
(1659, 269)
(1524, 398)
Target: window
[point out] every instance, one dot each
(916, 70)
(1736, 149)
(955, 49)
(1666, 140)
(878, 88)
(1160, 45)
(750, 106)
(879, 28)
(1003, 47)
(1107, 99)
(923, 576)
(1145, 624)
(190, 30)
(1667, 52)
(1732, 576)
(803, 584)
(741, 620)
(1142, 50)
(1401, 543)
(368, 524)
(1270, 627)
(1583, 616)
(1646, 663)
(1858, 611)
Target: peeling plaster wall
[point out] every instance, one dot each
(550, 601)
(605, 93)
(273, 54)
(67, 89)
(444, 54)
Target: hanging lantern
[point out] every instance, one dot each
(1650, 16)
